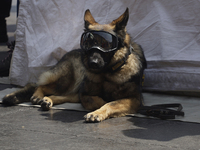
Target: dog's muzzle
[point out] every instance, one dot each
(96, 61)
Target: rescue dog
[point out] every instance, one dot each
(104, 75)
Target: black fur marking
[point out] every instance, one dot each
(22, 95)
(87, 25)
(45, 105)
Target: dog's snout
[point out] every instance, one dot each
(94, 64)
(96, 61)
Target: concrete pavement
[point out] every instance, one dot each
(28, 128)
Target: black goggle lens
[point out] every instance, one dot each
(99, 39)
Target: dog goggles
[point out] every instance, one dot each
(100, 40)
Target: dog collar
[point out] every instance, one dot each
(115, 67)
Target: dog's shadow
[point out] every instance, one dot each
(161, 130)
(66, 116)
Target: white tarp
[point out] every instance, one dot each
(169, 32)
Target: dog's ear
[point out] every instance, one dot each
(89, 19)
(120, 23)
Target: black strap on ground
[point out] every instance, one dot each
(162, 111)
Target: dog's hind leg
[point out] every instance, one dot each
(22, 95)
(48, 102)
(116, 108)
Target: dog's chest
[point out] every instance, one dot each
(114, 91)
(109, 90)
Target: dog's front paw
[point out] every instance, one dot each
(10, 100)
(46, 103)
(94, 117)
(36, 100)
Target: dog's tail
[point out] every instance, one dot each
(20, 96)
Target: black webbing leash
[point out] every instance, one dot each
(162, 111)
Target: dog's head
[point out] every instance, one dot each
(101, 42)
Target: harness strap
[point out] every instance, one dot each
(115, 67)
(162, 111)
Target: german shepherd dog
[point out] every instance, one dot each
(104, 75)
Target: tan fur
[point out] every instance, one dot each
(88, 17)
(105, 27)
(117, 108)
(73, 98)
(126, 71)
(47, 77)
(114, 22)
